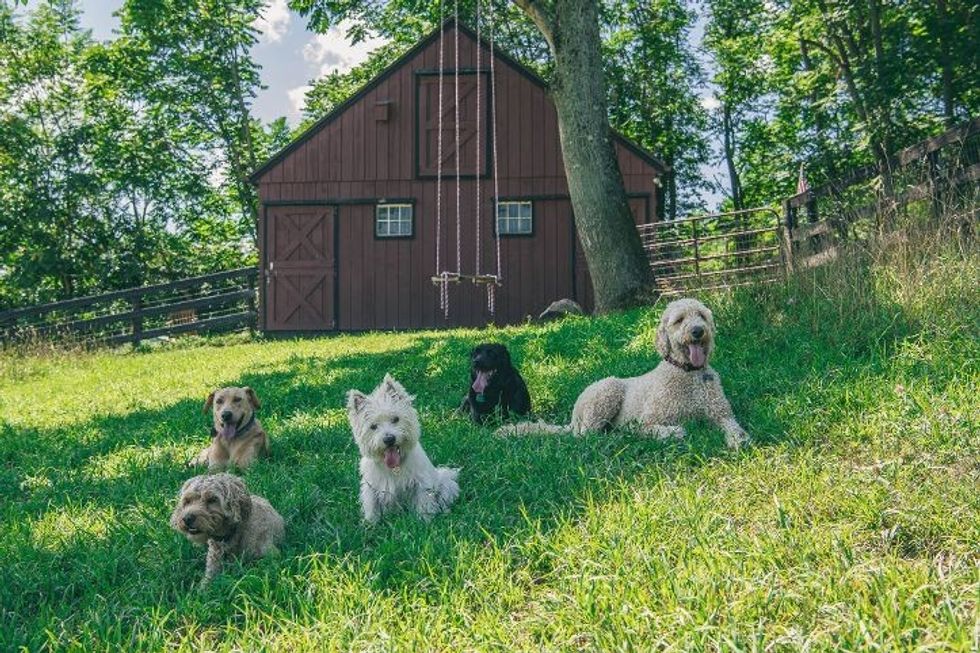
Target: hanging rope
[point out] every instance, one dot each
(442, 274)
(459, 260)
(479, 181)
(492, 287)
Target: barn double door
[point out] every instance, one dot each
(300, 268)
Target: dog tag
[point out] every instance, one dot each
(480, 398)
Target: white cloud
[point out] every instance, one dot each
(297, 98)
(334, 52)
(710, 102)
(273, 22)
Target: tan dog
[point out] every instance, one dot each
(218, 511)
(236, 435)
(681, 388)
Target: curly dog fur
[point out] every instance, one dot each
(218, 511)
(681, 388)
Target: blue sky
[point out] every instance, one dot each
(290, 56)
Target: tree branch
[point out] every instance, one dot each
(540, 15)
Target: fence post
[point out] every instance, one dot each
(250, 304)
(137, 319)
(697, 252)
(789, 223)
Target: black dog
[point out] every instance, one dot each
(494, 381)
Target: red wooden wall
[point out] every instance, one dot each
(369, 152)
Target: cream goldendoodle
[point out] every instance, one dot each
(395, 470)
(216, 510)
(236, 435)
(681, 388)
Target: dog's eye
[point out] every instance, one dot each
(220, 401)
(394, 420)
(678, 320)
(237, 399)
(374, 427)
(212, 500)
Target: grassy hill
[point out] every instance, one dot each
(852, 523)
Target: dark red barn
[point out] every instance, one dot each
(347, 227)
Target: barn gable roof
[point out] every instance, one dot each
(529, 74)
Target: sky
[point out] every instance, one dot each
(291, 56)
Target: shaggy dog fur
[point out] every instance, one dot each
(236, 435)
(494, 381)
(218, 511)
(395, 472)
(681, 388)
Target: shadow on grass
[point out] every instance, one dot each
(131, 466)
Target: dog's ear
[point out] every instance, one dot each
(239, 501)
(663, 339)
(393, 389)
(252, 398)
(355, 401)
(504, 355)
(208, 402)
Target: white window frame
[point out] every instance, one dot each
(518, 218)
(383, 214)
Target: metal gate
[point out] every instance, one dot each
(718, 250)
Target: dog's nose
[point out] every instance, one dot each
(227, 415)
(189, 520)
(389, 440)
(697, 332)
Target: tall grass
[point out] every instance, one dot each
(851, 524)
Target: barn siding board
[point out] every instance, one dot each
(353, 157)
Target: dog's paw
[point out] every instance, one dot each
(737, 438)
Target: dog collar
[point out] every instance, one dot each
(687, 367)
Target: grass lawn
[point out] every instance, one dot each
(852, 523)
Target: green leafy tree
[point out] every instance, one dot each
(654, 78)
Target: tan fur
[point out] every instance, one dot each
(662, 400)
(242, 450)
(218, 511)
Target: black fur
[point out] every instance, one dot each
(506, 387)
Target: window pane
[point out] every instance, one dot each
(382, 228)
(525, 227)
(526, 210)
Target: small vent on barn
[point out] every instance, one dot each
(382, 110)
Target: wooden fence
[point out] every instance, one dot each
(224, 301)
(719, 250)
(936, 177)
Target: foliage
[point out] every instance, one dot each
(850, 525)
(123, 162)
(836, 83)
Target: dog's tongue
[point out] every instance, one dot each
(393, 457)
(482, 379)
(227, 431)
(695, 353)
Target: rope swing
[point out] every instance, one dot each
(443, 277)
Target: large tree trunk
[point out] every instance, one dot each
(617, 264)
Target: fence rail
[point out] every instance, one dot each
(940, 172)
(714, 251)
(223, 301)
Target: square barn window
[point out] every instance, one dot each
(393, 221)
(514, 219)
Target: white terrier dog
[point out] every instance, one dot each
(395, 472)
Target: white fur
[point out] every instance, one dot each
(662, 400)
(417, 484)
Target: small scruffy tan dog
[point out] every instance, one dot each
(681, 388)
(395, 471)
(236, 435)
(218, 511)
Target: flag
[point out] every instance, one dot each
(801, 185)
